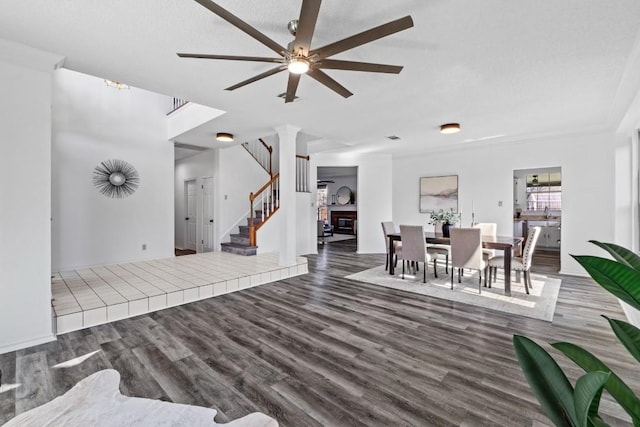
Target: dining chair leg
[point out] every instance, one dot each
(386, 266)
(435, 270)
(424, 272)
(402, 269)
(452, 278)
(480, 281)
(459, 280)
(490, 271)
(485, 276)
(446, 266)
(396, 262)
(528, 274)
(527, 282)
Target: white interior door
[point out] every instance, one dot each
(207, 216)
(190, 218)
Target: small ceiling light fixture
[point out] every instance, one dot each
(224, 137)
(117, 85)
(298, 65)
(448, 128)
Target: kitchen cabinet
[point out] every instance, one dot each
(549, 233)
(517, 229)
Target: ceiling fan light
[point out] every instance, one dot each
(298, 65)
(449, 128)
(224, 137)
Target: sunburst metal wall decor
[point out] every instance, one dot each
(116, 178)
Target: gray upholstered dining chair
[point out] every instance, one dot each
(487, 229)
(439, 251)
(414, 248)
(387, 228)
(466, 252)
(518, 263)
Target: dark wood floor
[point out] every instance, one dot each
(181, 252)
(322, 350)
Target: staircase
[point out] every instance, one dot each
(266, 201)
(240, 243)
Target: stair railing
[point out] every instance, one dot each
(267, 199)
(177, 104)
(302, 173)
(262, 153)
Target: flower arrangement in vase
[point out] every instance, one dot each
(447, 218)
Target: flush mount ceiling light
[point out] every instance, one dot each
(116, 85)
(298, 65)
(448, 128)
(224, 137)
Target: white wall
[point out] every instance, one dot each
(93, 123)
(374, 195)
(625, 199)
(194, 167)
(25, 206)
(306, 218)
(238, 174)
(188, 117)
(485, 176)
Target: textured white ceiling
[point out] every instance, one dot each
(502, 68)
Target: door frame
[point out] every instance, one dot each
(186, 212)
(203, 218)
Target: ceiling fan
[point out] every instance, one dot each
(298, 57)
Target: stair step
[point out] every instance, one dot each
(240, 239)
(244, 230)
(255, 221)
(238, 249)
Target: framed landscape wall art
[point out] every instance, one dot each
(439, 192)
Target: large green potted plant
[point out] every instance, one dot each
(569, 405)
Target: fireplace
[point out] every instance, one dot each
(344, 222)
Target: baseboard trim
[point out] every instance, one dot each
(29, 343)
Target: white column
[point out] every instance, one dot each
(287, 158)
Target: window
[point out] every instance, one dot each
(544, 191)
(321, 203)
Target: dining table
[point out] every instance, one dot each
(504, 243)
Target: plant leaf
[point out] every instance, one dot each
(615, 386)
(619, 279)
(549, 384)
(588, 387)
(597, 422)
(620, 254)
(628, 335)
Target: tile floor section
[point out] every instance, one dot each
(91, 296)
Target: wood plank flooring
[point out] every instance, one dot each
(322, 350)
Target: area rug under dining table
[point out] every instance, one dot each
(539, 304)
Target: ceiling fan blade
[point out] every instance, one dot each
(363, 37)
(258, 77)
(336, 64)
(323, 78)
(239, 23)
(230, 57)
(306, 25)
(292, 87)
